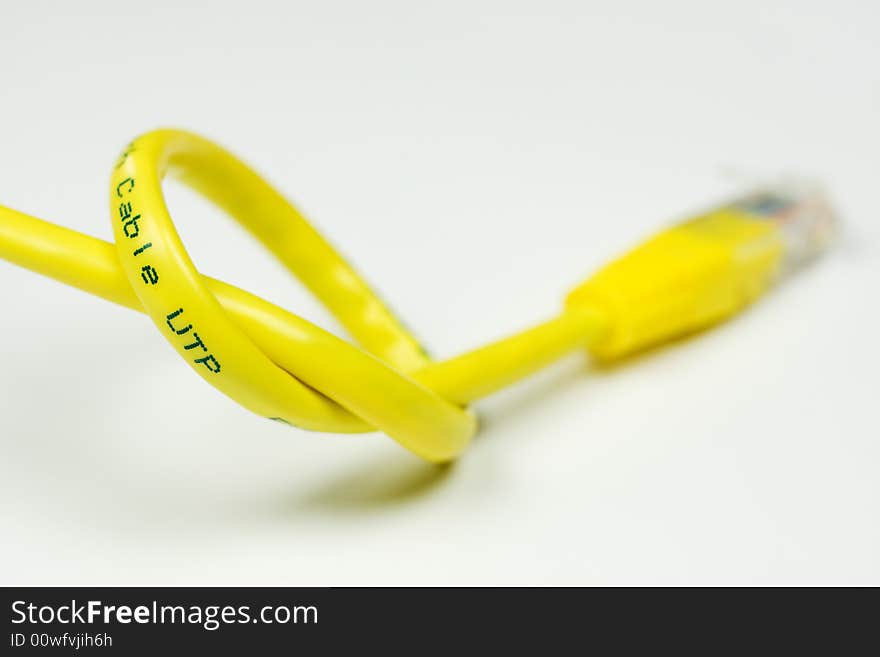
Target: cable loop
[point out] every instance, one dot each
(274, 363)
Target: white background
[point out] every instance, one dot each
(475, 160)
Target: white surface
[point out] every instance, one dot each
(475, 160)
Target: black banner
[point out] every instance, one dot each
(135, 621)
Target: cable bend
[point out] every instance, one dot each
(316, 381)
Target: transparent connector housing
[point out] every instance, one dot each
(803, 214)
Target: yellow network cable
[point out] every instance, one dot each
(283, 367)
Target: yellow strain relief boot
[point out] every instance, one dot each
(705, 269)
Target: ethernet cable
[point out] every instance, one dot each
(283, 367)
